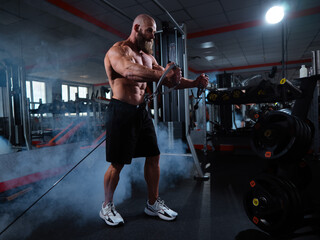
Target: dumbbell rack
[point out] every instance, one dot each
(279, 201)
(263, 93)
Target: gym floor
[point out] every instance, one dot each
(207, 210)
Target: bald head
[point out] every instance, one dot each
(143, 20)
(143, 32)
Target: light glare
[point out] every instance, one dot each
(209, 58)
(275, 14)
(207, 45)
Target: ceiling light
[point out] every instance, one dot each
(209, 58)
(275, 14)
(207, 45)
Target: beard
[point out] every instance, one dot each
(144, 45)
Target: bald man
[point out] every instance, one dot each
(130, 131)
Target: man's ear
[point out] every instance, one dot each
(136, 27)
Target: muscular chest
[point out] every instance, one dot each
(143, 59)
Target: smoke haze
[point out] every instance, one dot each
(81, 192)
(5, 146)
(54, 58)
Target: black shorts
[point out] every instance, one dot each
(130, 133)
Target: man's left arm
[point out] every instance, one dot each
(200, 82)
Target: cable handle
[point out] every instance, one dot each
(156, 91)
(201, 88)
(173, 66)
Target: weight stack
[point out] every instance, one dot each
(278, 135)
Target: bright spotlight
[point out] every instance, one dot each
(275, 14)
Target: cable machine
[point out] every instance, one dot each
(14, 114)
(173, 108)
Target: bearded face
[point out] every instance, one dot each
(144, 44)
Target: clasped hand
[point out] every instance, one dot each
(202, 81)
(173, 78)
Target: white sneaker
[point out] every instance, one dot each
(161, 210)
(110, 215)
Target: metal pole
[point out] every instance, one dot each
(23, 99)
(187, 115)
(283, 60)
(154, 84)
(177, 93)
(28, 119)
(10, 118)
(204, 108)
(162, 64)
(8, 109)
(172, 19)
(316, 62)
(155, 108)
(313, 111)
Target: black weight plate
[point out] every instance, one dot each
(280, 124)
(237, 93)
(213, 96)
(309, 136)
(289, 200)
(296, 151)
(296, 198)
(273, 219)
(311, 126)
(296, 214)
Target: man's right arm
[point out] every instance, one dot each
(122, 63)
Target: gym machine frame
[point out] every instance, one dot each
(182, 31)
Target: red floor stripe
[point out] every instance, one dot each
(31, 178)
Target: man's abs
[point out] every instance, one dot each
(128, 91)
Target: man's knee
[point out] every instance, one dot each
(153, 161)
(116, 167)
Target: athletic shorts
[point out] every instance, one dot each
(130, 132)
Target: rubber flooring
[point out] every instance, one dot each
(207, 210)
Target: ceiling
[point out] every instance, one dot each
(67, 39)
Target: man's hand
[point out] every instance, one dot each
(173, 77)
(202, 81)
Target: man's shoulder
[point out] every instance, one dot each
(120, 46)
